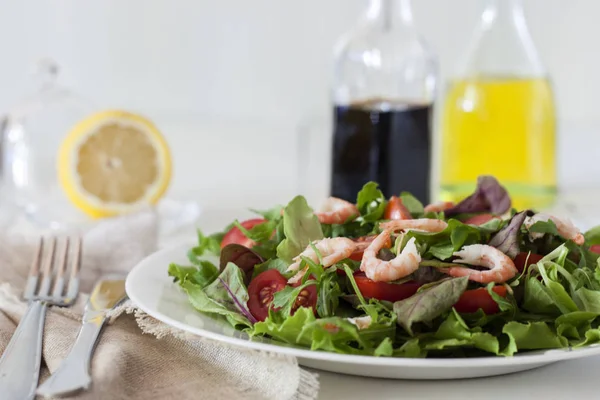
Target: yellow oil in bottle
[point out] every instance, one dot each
(503, 127)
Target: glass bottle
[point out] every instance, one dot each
(32, 133)
(383, 92)
(499, 115)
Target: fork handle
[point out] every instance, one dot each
(20, 363)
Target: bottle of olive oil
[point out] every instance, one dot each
(499, 114)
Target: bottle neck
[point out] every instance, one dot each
(502, 44)
(507, 13)
(391, 14)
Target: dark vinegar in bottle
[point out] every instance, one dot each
(388, 142)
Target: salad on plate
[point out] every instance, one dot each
(393, 278)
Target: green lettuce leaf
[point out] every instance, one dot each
(259, 233)
(533, 336)
(371, 202)
(592, 236)
(455, 332)
(274, 263)
(215, 298)
(430, 303)
(301, 227)
(412, 204)
(200, 276)
(331, 334)
(538, 299)
(206, 244)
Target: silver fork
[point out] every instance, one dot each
(20, 363)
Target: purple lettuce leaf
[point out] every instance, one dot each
(238, 303)
(489, 196)
(507, 239)
(241, 256)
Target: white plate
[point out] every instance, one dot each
(153, 291)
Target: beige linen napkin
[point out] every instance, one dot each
(138, 357)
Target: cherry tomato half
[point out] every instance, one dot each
(521, 258)
(261, 291)
(480, 219)
(395, 209)
(384, 290)
(473, 300)
(236, 236)
(363, 242)
(595, 248)
(306, 298)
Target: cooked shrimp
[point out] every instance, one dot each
(423, 224)
(501, 267)
(565, 228)
(439, 206)
(337, 211)
(403, 265)
(331, 250)
(365, 241)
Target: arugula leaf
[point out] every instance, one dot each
(538, 299)
(559, 295)
(489, 196)
(301, 226)
(428, 304)
(371, 202)
(272, 214)
(211, 244)
(507, 239)
(533, 336)
(412, 204)
(258, 233)
(286, 297)
(216, 299)
(329, 294)
(443, 244)
(544, 227)
(592, 236)
(202, 276)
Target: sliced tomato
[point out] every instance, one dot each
(306, 298)
(383, 290)
(480, 219)
(522, 257)
(261, 291)
(473, 300)
(363, 242)
(595, 248)
(236, 236)
(395, 209)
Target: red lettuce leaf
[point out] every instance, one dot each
(241, 256)
(507, 239)
(489, 196)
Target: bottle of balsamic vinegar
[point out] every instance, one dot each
(383, 93)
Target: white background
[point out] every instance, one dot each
(266, 65)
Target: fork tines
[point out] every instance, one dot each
(54, 270)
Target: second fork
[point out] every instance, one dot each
(20, 362)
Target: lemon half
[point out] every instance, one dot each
(113, 162)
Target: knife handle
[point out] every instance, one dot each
(73, 373)
(20, 363)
